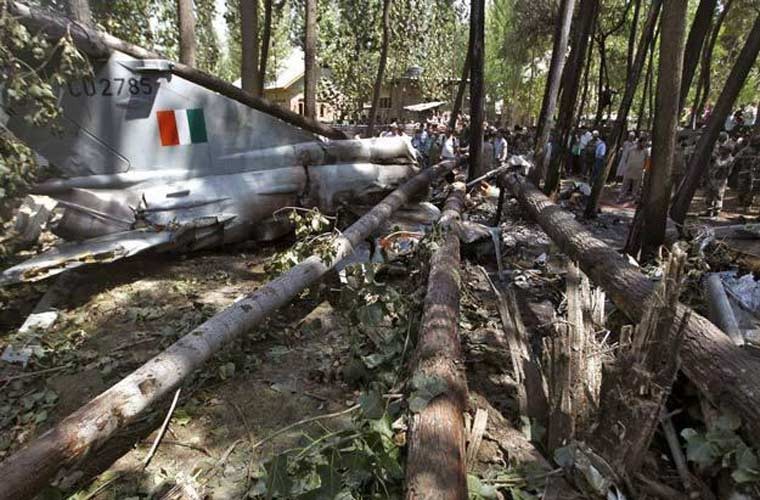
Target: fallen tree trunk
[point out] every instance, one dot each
(436, 466)
(29, 470)
(725, 373)
(100, 45)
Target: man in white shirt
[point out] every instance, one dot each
(449, 146)
(500, 148)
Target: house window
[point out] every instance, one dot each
(385, 102)
(300, 107)
(321, 110)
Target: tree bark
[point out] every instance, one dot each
(380, 68)
(79, 11)
(615, 139)
(586, 71)
(29, 470)
(100, 45)
(186, 32)
(249, 46)
(724, 372)
(697, 34)
(310, 75)
(632, 37)
(553, 79)
(436, 465)
(461, 87)
(266, 41)
(571, 79)
(703, 150)
(647, 83)
(477, 86)
(665, 126)
(639, 381)
(707, 58)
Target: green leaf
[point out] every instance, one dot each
(728, 421)
(747, 469)
(426, 388)
(700, 450)
(278, 481)
(372, 405)
(477, 489)
(329, 484)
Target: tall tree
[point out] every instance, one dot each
(310, 61)
(714, 125)
(549, 104)
(477, 58)
(461, 87)
(266, 38)
(665, 125)
(632, 36)
(615, 138)
(186, 32)
(697, 34)
(249, 45)
(584, 25)
(380, 68)
(707, 54)
(79, 10)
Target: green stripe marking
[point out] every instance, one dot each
(197, 124)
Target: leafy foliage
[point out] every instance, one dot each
(720, 447)
(310, 227)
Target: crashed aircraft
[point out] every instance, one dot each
(150, 160)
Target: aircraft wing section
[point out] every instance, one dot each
(94, 251)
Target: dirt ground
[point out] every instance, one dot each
(115, 317)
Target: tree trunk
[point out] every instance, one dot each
(703, 150)
(637, 384)
(436, 465)
(186, 32)
(707, 58)
(647, 82)
(100, 45)
(310, 75)
(461, 87)
(477, 88)
(29, 470)
(615, 139)
(632, 37)
(380, 68)
(697, 34)
(724, 372)
(249, 47)
(266, 40)
(79, 11)
(586, 71)
(665, 126)
(571, 78)
(553, 79)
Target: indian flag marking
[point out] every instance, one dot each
(182, 126)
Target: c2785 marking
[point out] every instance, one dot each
(109, 87)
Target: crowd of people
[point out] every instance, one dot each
(735, 161)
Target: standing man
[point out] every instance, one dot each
(634, 170)
(628, 145)
(600, 153)
(500, 148)
(747, 168)
(717, 179)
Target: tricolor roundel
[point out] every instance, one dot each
(181, 126)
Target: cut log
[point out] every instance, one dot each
(28, 471)
(436, 465)
(100, 45)
(725, 373)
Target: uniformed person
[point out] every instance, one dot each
(747, 169)
(717, 178)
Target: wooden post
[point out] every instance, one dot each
(724, 372)
(311, 71)
(29, 470)
(436, 466)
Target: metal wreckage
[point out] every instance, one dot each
(147, 158)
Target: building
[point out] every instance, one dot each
(287, 88)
